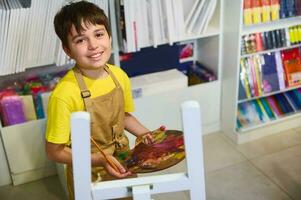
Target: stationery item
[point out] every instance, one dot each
(202, 73)
(12, 108)
(297, 94)
(264, 41)
(299, 34)
(292, 35)
(247, 44)
(241, 90)
(280, 70)
(288, 40)
(244, 78)
(298, 7)
(275, 8)
(240, 117)
(249, 74)
(262, 109)
(166, 151)
(269, 73)
(278, 38)
(259, 44)
(292, 66)
(283, 37)
(274, 106)
(256, 11)
(257, 69)
(283, 9)
(269, 44)
(283, 103)
(242, 46)
(290, 8)
(261, 114)
(273, 39)
(267, 108)
(247, 12)
(253, 76)
(266, 10)
(29, 110)
(296, 104)
(252, 113)
(45, 98)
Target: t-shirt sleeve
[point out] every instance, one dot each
(127, 91)
(58, 121)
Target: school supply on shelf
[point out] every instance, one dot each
(268, 108)
(263, 11)
(198, 73)
(270, 82)
(292, 66)
(32, 90)
(28, 109)
(12, 110)
(269, 40)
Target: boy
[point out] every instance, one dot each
(93, 85)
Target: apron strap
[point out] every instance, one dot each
(85, 93)
(112, 76)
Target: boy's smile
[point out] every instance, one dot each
(91, 48)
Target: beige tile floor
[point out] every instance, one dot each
(265, 169)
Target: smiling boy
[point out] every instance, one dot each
(95, 86)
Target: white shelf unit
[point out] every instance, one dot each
(152, 111)
(233, 30)
(163, 108)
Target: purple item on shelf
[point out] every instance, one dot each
(12, 108)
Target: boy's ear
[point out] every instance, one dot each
(67, 51)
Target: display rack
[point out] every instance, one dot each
(233, 31)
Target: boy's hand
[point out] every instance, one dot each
(121, 173)
(147, 138)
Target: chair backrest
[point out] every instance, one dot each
(142, 187)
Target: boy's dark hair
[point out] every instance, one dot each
(75, 14)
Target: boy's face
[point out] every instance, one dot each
(91, 48)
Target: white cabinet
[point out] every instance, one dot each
(233, 31)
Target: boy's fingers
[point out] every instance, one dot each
(161, 128)
(116, 174)
(119, 166)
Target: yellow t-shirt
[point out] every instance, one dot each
(66, 99)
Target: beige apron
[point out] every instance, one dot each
(107, 125)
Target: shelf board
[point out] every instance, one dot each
(270, 51)
(273, 25)
(24, 124)
(279, 119)
(211, 31)
(270, 94)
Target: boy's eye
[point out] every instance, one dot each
(79, 41)
(99, 35)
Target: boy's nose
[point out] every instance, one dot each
(92, 44)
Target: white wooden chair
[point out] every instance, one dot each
(142, 187)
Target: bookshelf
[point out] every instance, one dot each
(232, 102)
(162, 108)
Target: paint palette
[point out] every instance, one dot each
(166, 151)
